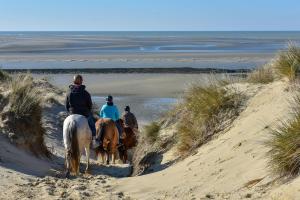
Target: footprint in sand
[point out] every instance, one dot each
(79, 187)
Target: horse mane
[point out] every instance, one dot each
(72, 130)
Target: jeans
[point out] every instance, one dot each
(92, 124)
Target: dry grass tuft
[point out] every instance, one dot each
(23, 115)
(263, 75)
(287, 63)
(284, 144)
(4, 76)
(205, 110)
(152, 131)
(24, 99)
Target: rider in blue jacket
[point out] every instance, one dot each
(109, 110)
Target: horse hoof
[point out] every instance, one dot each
(67, 175)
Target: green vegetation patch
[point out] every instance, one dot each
(284, 144)
(204, 111)
(287, 63)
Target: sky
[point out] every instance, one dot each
(149, 15)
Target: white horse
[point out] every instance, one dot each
(77, 137)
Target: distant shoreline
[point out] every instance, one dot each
(184, 70)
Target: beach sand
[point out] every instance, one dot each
(146, 85)
(136, 60)
(148, 95)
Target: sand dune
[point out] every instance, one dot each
(232, 166)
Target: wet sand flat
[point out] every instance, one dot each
(148, 85)
(149, 95)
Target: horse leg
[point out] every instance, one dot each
(103, 157)
(67, 164)
(107, 158)
(113, 157)
(78, 165)
(87, 155)
(125, 156)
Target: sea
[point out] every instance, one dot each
(210, 49)
(81, 50)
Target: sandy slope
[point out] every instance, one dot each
(24, 176)
(232, 166)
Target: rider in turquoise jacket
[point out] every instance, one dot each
(109, 110)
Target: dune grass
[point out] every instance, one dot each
(24, 98)
(4, 76)
(205, 110)
(152, 131)
(24, 116)
(284, 144)
(287, 63)
(263, 75)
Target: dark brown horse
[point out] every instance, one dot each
(129, 141)
(109, 138)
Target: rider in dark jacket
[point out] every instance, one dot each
(78, 101)
(129, 119)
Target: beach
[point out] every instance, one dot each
(231, 164)
(225, 50)
(148, 95)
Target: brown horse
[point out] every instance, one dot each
(129, 141)
(109, 138)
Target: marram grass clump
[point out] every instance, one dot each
(4, 76)
(263, 75)
(285, 145)
(24, 99)
(152, 131)
(23, 115)
(206, 110)
(287, 63)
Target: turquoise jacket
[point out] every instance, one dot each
(110, 111)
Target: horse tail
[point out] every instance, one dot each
(72, 134)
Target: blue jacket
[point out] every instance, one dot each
(109, 111)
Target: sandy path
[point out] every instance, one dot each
(24, 176)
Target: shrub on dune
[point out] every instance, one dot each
(24, 99)
(152, 131)
(4, 76)
(206, 110)
(263, 75)
(284, 144)
(23, 115)
(287, 63)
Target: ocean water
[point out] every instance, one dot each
(146, 109)
(141, 49)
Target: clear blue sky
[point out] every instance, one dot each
(141, 15)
